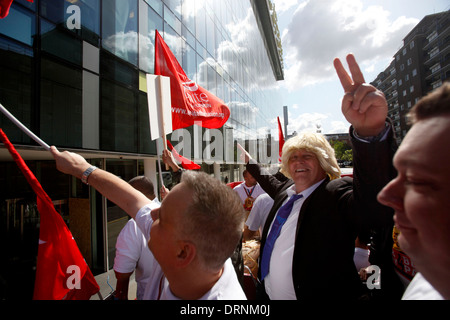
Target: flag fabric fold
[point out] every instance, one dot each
(185, 163)
(191, 104)
(280, 139)
(4, 7)
(61, 271)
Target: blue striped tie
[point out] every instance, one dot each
(280, 219)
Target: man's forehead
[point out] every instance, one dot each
(427, 144)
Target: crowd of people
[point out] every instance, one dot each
(307, 218)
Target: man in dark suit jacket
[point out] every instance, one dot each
(313, 255)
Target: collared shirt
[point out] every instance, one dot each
(278, 283)
(226, 288)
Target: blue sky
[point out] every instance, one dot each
(316, 31)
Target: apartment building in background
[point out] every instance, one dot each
(419, 66)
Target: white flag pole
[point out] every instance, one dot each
(159, 164)
(161, 114)
(23, 128)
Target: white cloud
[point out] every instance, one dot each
(284, 5)
(322, 30)
(305, 122)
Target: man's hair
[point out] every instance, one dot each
(213, 220)
(315, 143)
(144, 185)
(436, 103)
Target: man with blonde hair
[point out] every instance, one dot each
(308, 241)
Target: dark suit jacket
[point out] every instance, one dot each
(330, 219)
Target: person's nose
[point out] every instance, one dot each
(392, 195)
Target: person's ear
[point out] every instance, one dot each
(186, 253)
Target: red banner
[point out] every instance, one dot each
(280, 139)
(185, 162)
(190, 102)
(61, 271)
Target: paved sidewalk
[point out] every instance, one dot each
(105, 289)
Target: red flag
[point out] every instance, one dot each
(4, 7)
(190, 102)
(280, 139)
(61, 272)
(185, 163)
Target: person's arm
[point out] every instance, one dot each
(123, 280)
(112, 187)
(248, 234)
(365, 107)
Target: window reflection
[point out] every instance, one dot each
(119, 33)
(19, 25)
(118, 118)
(58, 12)
(149, 21)
(61, 96)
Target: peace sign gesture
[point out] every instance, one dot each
(363, 105)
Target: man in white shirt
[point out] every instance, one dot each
(192, 235)
(257, 217)
(248, 191)
(420, 195)
(132, 254)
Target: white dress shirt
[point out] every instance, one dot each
(278, 282)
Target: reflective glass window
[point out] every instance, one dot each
(149, 21)
(119, 28)
(16, 87)
(60, 43)
(157, 5)
(188, 14)
(115, 69)
(61, 104)
(172, 20)
(200, 25)
(117, 118)
(19, 24)
(189, 64)
(81, 17)
(210, 36)
(175, 6)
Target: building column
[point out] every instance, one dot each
(150, 172)
(216, 170)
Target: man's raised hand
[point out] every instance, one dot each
(363, 105)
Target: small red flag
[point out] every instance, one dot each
(280, 139)
(190, 102)
(185, 163)
(4, 7)
(61, 271)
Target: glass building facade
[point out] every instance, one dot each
(73, 71)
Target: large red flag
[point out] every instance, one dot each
(61, 272)
(185, 162)
(280, 139)
(190, 102)
(4, 7)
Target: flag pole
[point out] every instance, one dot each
(161, 114)
(159, 164)
(23, 128)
